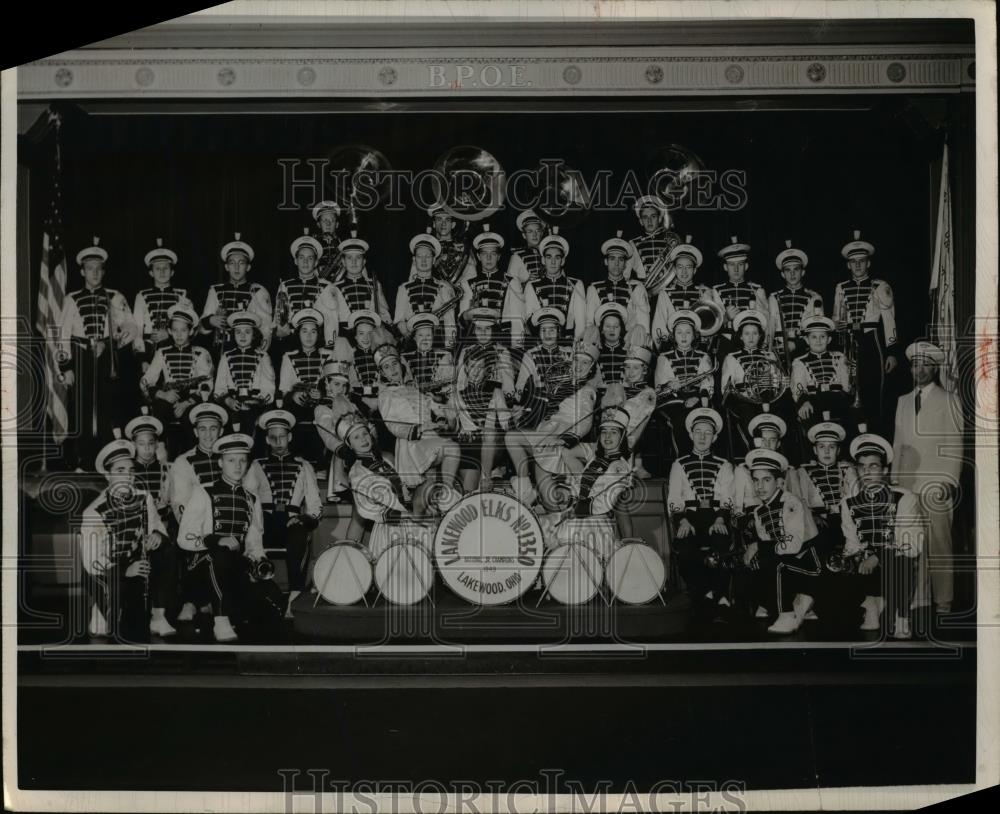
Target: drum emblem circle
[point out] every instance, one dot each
(488, 548)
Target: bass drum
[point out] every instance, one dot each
(404, 573)
(343, 573)
(572, 573)
(635, 573)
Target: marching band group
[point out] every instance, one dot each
(786, 497)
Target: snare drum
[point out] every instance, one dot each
(343, 573)
(404, 573)
(635, 572)
(572, 573)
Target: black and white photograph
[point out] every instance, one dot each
(460, 406)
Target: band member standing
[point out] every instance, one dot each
(525, 264)
(223, 528)
(455, 254)
(152, 304)
(356, 289)
(245, 379)
(178, 377)
(864, 307)
(238, 294)
(325, 215)
(820, 379)
(675, 371)
(787, 565)
(683, 294)
(485, 286)
(738, 294)
(699, 500)
(791, 304)
(126, 554)
(306, 290)
(96, 322)
(617, 287)
(928, 448)
(885, 528)
(556, 290)
(650, 249)
(422, 293)
(431, 369)
(286, 487)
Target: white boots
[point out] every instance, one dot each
(98, 624)
(873, 605)
(187, 612)
(790, 621)
(159, 624)
(223, 630)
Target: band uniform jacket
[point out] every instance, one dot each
(106, 533)
(376, 499)
(823, 488)
(574, 307)
(798, 525)
(681, 493)
(673, 298)
(868, 301)
(908, 529)
(405, 409)
(314, 292)
(423, 294)
(629, 293)
(743, 496)
(745, 296)
(302, 497)
(150, 311)
(171, 363)
(424, 368)
(247, 296)
(700, 361)
(537, 360)
(928, 447)
(494, 291)
(562, 431)
(502, 371)
(359, 292)
(312, 361)
(787, 308)
(595, 491)
(201, 516)
(648, 249)
(99, 314)
(250, 369)
(189, 470)
(812, 373)
(733, 371)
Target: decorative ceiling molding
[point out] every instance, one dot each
(453, 72)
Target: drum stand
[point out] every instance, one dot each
(562, 566)
(621, 576)
(329, 573)
(392, 568)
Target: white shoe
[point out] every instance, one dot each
(187, 613)
(98, 624)
(761, 612)
(786, 622)
(802, 606)
(902, 628)
(943, 608)
(161, 627)
(223, 631)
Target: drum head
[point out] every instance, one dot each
(572, 573)
(343, 574)
(636, 573)
(404, 573)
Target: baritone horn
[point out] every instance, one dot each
(711, 315)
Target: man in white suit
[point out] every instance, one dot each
(928, 451)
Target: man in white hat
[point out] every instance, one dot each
(455, 257)
(356, 289)
(738, 294)
(485, 286)
(555, 289)
(928, 450)
(766, 431)
(618, 288)
(885, 529)
(152, 304)
(782, 552)
(820, 379)
(650, 248)
(791, 303)
(525, 264)
(325, 215)
(289, 497)
(422, 293)
(683, 294)
(96, 322)
(223, 528)
(126, 554)
(245, 379)
(825, 481)
(178, 377)
(305, 290)
(236, 294)
(866, 308)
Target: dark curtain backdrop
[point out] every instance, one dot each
(195, 179)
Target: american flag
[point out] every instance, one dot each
(51, 293)
(942, 286)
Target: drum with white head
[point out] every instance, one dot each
(343, 573)
(404, 572)
(572, 573)
(635, 572)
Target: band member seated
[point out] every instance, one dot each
(610, 321)
(359, 355)
(699, 498)
(325, 215)
(820, 380)
(151, 304)
(178, 378)
(677, 381)
(289, 498)
(750, 376)
(738, 294)
(126, 554)
(96, 322)
(598, 516)
(782, 552)
(423, 294)
(884, 534)
(298, 382)
(617, 287)
(825, 481)
(305, 290)
(245, 379)
(483, 285)
(237, 294)
(547, 363)
(356, 289)
(555, 289)
(551, 450)
(683, 294)
(639, 408)
(152, 472)
(338, 402)
(431, 369)
(421, 426)
(483, 395)
(791, 304)
(650, 249)
(635, 381)
(223, 528)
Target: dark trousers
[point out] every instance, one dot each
(123, 601)
(691, 551)
(871, 384)
(222, 575)
(178, 436)
(780, 577)
(95, 406)
(893, 579)
(295, 540)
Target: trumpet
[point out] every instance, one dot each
(840, 563)
(672, 388)
(261, 570)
